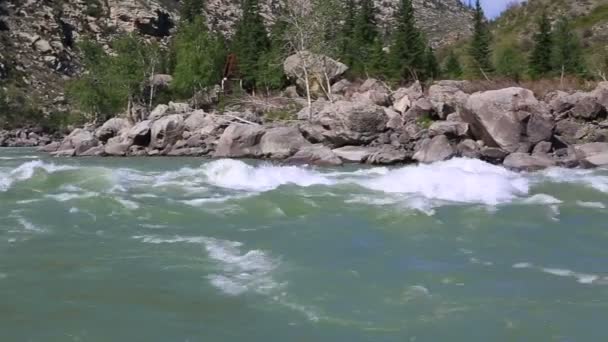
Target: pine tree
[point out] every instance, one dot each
(365, 34)
(270, 65)
(190, 9)
(199, 57)
(432, 69)
(250, 42)
(480, 45)
(510, 63)
(452, 68)
(347, 53)
(540, 59)
(407, 55)
(567, 56)
(376, 61)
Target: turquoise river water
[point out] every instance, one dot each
(224, 250)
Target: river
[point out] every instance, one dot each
(188, 249)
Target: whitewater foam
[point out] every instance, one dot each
(588, 178)
(591, 205)
(241, 272)
(235, 174)
(582, 278)
(26, 171)
(456, 180)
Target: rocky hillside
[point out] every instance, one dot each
(432, 14)
(589, 18)
(38, 37)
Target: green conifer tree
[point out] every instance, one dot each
(510, 63)
(540, 58)
(270, 65)
(250, 42)
(479, 49)
(364, 37)
(432, 70)
(376, 65)
(347, 52)
(567, 57)
(453, 68)
(408, 50)
(190, 9)
(199, 57)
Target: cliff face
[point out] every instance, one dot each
(589, 17)
(444, 21)
(38, 37)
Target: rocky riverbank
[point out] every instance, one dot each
(27, 137)
(370, 123)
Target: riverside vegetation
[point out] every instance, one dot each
(329, 92)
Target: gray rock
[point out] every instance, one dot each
(111, 128)
(116, 147)
(493, 154)
(539, 128)
(542, 148)
(52, 147)
(447, 97)
(351, 123)
(140, 133)
(340, 87)
(526, 162)
(395, 120)
(281, 142)
(166, 131)
(94, 151)
(318, 67)
(195, 121)
(239, 141)
(435, 149)
(452, 129)
(79, 140)
(354, 154)
(497, 116)
(469, 149)
(315, 155)
(388, 155)
(158, 112)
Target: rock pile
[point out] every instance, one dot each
(369, 123)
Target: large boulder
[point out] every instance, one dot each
(539, 128)
(79, 140)
(403, 98)
(318, 67)
(111, 128)
(166, 131)
(592, 154)
(140, 133)
(388, 155)
(447, 96)
(497, 117)
(453, 129)
(116, 147)
(195, 121)
(281, 142)
(526, 162)
(354, 154)
(239, 141)
(315, 155)
(351, 123)
(434, 150)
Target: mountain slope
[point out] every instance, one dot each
(588, 17)
(38, 37)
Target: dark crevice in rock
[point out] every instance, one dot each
(159, 27)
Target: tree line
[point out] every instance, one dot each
(342, 29)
